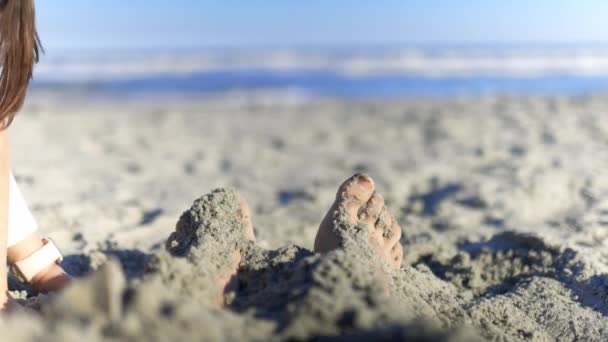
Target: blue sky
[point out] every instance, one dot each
(195, 23)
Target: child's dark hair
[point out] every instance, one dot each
(19, 51)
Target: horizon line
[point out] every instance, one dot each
(337, 46)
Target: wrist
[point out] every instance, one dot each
(24, 248)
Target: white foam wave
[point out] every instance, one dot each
(396, 62)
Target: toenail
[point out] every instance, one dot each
(364, 181)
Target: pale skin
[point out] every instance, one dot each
(51, 278)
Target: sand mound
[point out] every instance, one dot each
(503, 200)
(521, 287)
(512, 286)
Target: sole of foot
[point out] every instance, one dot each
(226, 281)
(358, 203)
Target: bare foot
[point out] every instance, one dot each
(227, 282)
(358, 203)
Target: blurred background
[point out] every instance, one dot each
(353, 49)
(472, 116)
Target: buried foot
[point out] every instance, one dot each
(223, 225)
(357, 203)
(228, 282)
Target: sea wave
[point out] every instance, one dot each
(414, 62)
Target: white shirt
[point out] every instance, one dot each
(21, 222)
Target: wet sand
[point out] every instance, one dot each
(503, 202)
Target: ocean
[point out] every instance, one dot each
(372, 72)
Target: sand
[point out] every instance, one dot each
(502, 201)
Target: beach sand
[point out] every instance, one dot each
(503, 202)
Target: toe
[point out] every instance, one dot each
(384, 224)
(397, 255)
(246, 216)
(353, 195)
(370, 214)
(395, 233)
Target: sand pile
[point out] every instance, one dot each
(489, 290)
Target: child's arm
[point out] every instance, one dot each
(4, 195)
(24, 241)
(22, 237)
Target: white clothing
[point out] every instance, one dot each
(21, 222)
